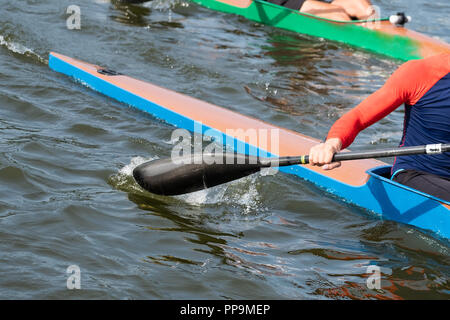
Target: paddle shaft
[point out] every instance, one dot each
(342, 156)
(197, 172)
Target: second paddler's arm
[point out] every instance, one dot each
(375, 107)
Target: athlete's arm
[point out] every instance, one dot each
(394, 92)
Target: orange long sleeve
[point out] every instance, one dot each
(406, 85)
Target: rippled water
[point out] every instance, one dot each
(66, 154)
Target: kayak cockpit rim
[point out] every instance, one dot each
(380, 172)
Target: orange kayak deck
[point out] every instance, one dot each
(291, 143)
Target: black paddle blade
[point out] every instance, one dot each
(194, 172)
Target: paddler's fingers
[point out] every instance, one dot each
(331, 166)
(322, 154)
(314, 153)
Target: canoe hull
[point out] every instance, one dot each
(381, 36)
(365, 187)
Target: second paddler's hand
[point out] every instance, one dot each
(322, 154)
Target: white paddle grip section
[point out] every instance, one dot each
(433, 148)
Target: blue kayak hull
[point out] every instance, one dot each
(386, 198)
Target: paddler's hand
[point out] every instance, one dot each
(322, 154)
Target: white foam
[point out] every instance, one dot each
(124, 176)
(161, 5)
(207, 196)
(128, 169)
(242, 193)
(19, 48)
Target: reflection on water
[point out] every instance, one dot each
(128, 13)
(134, 14)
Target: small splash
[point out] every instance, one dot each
(242, 193)
(124, 180)
(238, 196)
(269, 171)
(162, 5)
(128, 169)
(21, 49)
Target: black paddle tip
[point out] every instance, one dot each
(166, 178)
(139, 175)
(151, 178)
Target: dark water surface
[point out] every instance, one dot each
(66, 154)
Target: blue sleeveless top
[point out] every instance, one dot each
(428, 122)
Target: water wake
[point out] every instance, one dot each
(21, 49)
